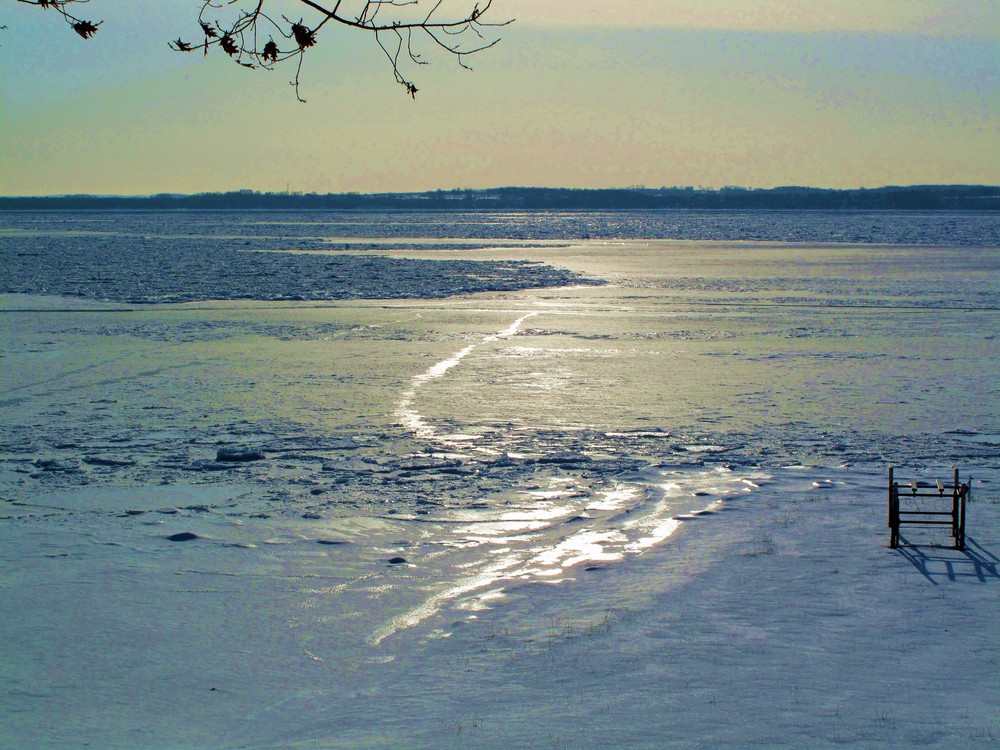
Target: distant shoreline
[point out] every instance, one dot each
(975, 198)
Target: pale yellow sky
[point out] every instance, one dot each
(837, 93)
(977, 18)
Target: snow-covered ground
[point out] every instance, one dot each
(782, 620)
(778, 618)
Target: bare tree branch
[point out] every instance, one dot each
(85, 29)
(255, 38)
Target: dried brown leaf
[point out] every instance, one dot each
(85, 29)
(228, 45)
(304, 36)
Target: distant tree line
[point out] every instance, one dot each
(912, 198)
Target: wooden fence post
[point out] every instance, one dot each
(893, 512)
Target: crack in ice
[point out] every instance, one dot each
(409, 417)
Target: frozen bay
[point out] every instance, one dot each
(557, 472)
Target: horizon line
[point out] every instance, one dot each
(629, 188)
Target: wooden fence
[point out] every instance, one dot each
(924, 504)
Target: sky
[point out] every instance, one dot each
(578, 93)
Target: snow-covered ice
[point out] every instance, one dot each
(645, 513)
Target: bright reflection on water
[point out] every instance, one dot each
(412, 420)
(500, 439)
(552, 535)
(741, 352)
